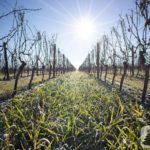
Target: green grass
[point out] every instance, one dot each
(72, 112)
(6, 87)
(134, 84)
(130, 82)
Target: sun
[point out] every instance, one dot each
(84, 28)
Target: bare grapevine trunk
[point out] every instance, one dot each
(63, 64)
(43, 70)
(146, 80)
(54, 61)
(106, 67)
(32, 76)
(28, 71)
(114, 74)
(17, 77)
(89, 65)
(97, 60)
(37, 68)
(123, 75)
(133, 65)
(15, 70)
(50, 69)
(101, 72)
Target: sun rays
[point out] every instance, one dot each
(81, 25)
(101, 12)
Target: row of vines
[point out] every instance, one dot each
(26, 51)
(126, 50)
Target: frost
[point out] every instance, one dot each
(145, 134)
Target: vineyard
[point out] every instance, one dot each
(72, 112)
(48, 103)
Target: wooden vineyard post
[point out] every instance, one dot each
(63, 64)
(89, 64)
(97, 60)
(50, 68)
(37, 66)
(67, 66)
(146, 80)
(54, 60)
(6, 77)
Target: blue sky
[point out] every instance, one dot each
(60, 16)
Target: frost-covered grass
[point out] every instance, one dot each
(130, 82)
(71, 112)
(6, 87)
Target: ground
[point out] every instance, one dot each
(6, 88)
(73, 111)
(132, 85)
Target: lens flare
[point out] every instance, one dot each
(84, 28)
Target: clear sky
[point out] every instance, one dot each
(79, 24)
